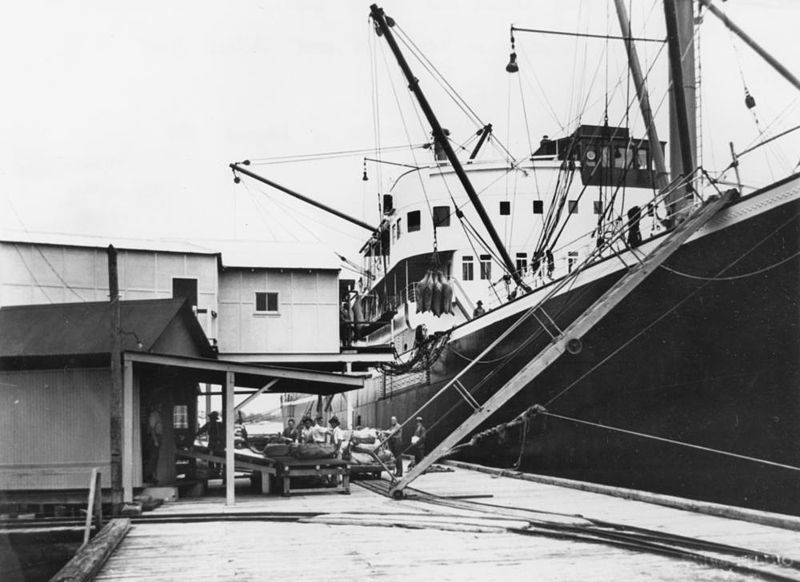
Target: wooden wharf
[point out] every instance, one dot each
(456, 525)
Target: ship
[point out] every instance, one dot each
(686, 385)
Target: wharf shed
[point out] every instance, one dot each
(257, 301)
(55, 379)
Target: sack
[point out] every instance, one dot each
(313, 451)
(276, 450)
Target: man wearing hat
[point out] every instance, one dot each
(418, 440)
(216, 437)
(479, 310)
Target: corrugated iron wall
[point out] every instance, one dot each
(54, 427)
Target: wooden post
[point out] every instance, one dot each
(115, 408)
(127, 431)
(230, 492)
(94, 505)
(347, 400)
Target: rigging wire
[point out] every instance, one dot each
(266, 161)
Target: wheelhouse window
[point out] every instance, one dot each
(413, 218)
(538, 206)
(441, 216)
(399, 227)
(467, 268)
(486, 267)
(505, 207)
(598, 207)
(266, 302)
(522, 262)
(573, 207)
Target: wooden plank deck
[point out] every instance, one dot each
(351, 539)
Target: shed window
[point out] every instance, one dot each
(505, 207)
(538, 206)
(180, 416)
(573, 207)
(598, 207)
(399, 227)
(266, 302)
(185, 289)
(441, 216)
(413, 220)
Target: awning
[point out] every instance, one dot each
(245, 375)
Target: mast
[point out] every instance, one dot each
(679, 20)
(656, 152)
(439, 136)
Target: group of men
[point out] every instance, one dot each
(311, 431)
(316, 432)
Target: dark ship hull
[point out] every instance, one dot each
(706, 351)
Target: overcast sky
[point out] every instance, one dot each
(121, 117)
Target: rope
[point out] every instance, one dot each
(672, 441)
(733, 277)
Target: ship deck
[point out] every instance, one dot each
(455, 525)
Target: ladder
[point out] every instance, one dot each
(569, 337)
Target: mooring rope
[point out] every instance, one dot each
(671, 441)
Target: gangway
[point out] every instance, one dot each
(568, 339)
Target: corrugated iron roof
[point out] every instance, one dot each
(85, 328)
(276, 255)
(255, 254)
(92, 242)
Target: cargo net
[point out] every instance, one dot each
(426, 351)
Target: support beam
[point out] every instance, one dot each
(115, 404)
(127, 431)
(348, 402)
(256, 394)
(230, 493)
(573, 333)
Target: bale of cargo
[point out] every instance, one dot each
(312, 450)
(277, 450)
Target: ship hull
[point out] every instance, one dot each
(706, 351)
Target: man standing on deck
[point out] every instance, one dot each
(396, 445)
(418, 440)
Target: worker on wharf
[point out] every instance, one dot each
(418, 440)
(305, 431)
(290, 432)
(319, 432)
(216, 437)
(338, 436)
(396, 445)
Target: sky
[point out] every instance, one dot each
(121, 117)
